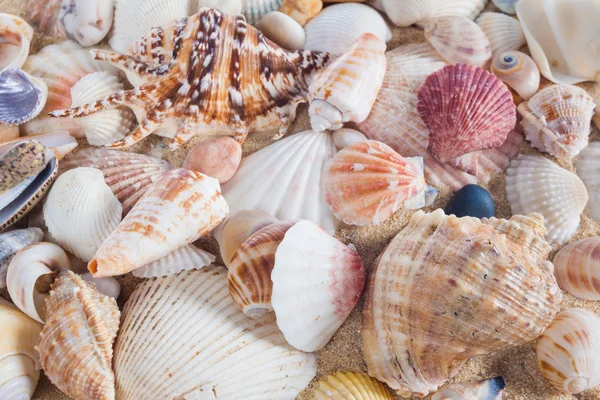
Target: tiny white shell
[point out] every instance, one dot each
(283, 30)
(346, 136)
(86, 21)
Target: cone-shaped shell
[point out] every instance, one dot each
(470, 280)
(15, 38)
(577, 268)
(557, 120)
(183, 259)
(179, 208)
(211, 347)
(368, 181)
(536, 184)
(503, 32)
(249, 276)
(568, 353)
(317, 281)
(588, 169)
(76, 343)
(487, 389)
(351, 386)
(22, 97)
(518, 71)
(11, 243)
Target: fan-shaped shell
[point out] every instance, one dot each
(368, 181)
(15, 38)
(577, 268)
(459, 40)
(22, 97)
(301, 10)
(588, 169)
(213, 347)
(317, 281)
(337, 27)
(11, 243)
(506, 6)
(557, 120)
(254, 10)
(76, 343)
(568, 351)
(487, 389)
(536, 184)
(469, 278)
(518, 71)
(285, 180)
(87, 21)
(183, 259)
(456, 126)
(81, 211)
(351, 386)
(503, 32)
(44, 16)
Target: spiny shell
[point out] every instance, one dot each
(183, 259)
(11, 243)
(283, 30)
(351, 386)
(557, 120)
(203, 346)
(15, 38)
(44, 16)
(568, 351)
(518, 71)
(254, 10)
(346, 136)
(301, 10)
(249, 276)
(456, 126)
(76, 343)
(366, 182)
(470, 280)
(459, 40)
(487, 389)
(503, 32)
(22, 97)
(317, 281)
(536, 184)
(179, 208)
(577, 268)
(87, 21)
(588, 169)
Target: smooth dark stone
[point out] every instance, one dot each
(472, 201)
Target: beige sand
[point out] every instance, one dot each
(343, 353)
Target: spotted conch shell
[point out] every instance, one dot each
(76, 343)
(470, 278)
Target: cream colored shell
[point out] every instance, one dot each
(15, 39)
(577, 268)
(182, 259)
(588, 169)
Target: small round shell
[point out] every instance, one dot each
(345, 136)
(283, 30)
(518, 71)
(15, 38)
(577, 268)
(11, 243)
(503, 32)
(588, 169)
(351, 386)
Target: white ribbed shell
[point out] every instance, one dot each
(254, 10)
(588, 169)
(503, 32)
(11, 243)
(183, 259)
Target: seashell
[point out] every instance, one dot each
(406, 13)
(464, 271)
(518, 71)
(128, 175)
(76, 343)
(107, 286)
(229, 355)
(301, 11)
(536, 184)
(368, 181)
(178, 209)
(487, 389)
(588, 170)
(22, 97)
(254, 10)
(183, 259)
(503, 32)
(218, 157)
(562, 39)
(317, 281)
(15, 39)
(81, 196)
(336, 28)
(44, 15)
(463, 8)
(60, 142)
(283, 30)
(567, 352)
(456, 127)
(345, 137)
(8, 132)
(233, 7)
(30, 274)
(20, 362)
(22, 162)
(577, 268)
(351, 386)
(86, 21)
(557, 120)
(238, 227)
(459, 40)
(285, 180)
(471, 201)
(11, 243)
(249, 276)
(506, 6)
(346, 90)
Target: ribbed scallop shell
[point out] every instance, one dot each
(466, 109)
(518, 71)
(76, 344)
(44, 15)
(459, 40)
(204, 345)
(536, 184)
(588, 169)
(15, 38)
(22, 97)
(568, 353)
(128, 175)
(11, 243)
(367, 182)
(317, 281)
(351, 386)
(81, 212)
(447, 289)
(487, 389)
(183, 259)
(337, 27)
(249, 276)
(254, 10)
(285, 180)
(577, 268)
(179, 208)
(503, 32)
(557, 120)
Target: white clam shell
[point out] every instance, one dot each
(284, 180)
(283, 30)
(588, 169)
(255, 10)
(346, 136)
(15, 39)
(503, 32)
(205, 344)
(13, 241)
(535, 184)
(87, 21)
(183, 259)
(107, 286)
(577, 268)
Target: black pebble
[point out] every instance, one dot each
(472, 201)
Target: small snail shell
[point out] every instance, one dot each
(518, 71)
(568, 352)
(577, 268)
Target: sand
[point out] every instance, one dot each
(344, 353)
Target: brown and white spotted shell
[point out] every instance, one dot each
(210, 72)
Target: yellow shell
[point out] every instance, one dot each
(351, 386)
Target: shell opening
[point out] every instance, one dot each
(577, 384)
(93, 266)
(42, 290)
